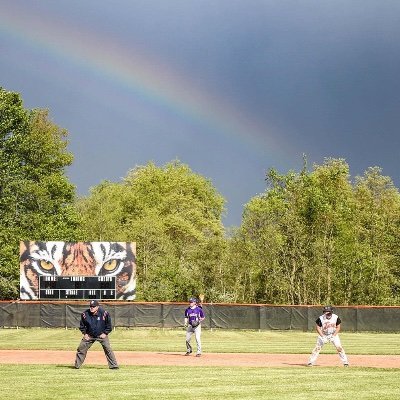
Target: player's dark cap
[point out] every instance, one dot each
(93, 303)
(192, 300)
(328, 309)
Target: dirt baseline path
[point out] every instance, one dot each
(95, 357)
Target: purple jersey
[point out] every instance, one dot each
(194, 314)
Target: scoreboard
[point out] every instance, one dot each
(58, 287)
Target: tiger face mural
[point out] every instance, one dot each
(78, 259)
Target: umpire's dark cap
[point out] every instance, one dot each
(93, 303)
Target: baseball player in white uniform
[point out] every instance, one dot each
(328, 328)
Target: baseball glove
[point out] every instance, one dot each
(327, 338)
(324, 339)
(195, 324)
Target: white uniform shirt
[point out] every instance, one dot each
(328, 325)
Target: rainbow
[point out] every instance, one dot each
(139, 75)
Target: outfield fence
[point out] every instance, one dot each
(218, 316)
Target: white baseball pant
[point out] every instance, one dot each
(321, 341)
(197, 334)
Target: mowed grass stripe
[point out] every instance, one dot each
(63, 382)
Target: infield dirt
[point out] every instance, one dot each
(207, 359)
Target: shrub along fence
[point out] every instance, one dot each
(218, 316)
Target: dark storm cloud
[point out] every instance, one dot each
(324, 74)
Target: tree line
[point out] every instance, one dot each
(314, 236)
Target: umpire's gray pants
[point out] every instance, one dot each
(85, 345)
(197, 334)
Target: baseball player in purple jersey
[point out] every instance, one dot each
(328, 328)
(193, 317)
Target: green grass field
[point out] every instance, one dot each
(134, 382)
(215, 341)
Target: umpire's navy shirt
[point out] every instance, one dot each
(95, 324)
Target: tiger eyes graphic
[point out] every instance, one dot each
(109, 267)
(47, 266)
(77, 259)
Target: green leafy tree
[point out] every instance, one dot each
(174, 215)
(314, 237)
(378, 237)
(36, 199)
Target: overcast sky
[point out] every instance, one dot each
(229, 87)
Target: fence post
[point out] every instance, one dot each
(357, 319)
(211, 316)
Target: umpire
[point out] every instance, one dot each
(95, 325)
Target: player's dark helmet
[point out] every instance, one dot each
(327, 309)
(193, 300)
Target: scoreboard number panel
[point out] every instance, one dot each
(77, 287)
